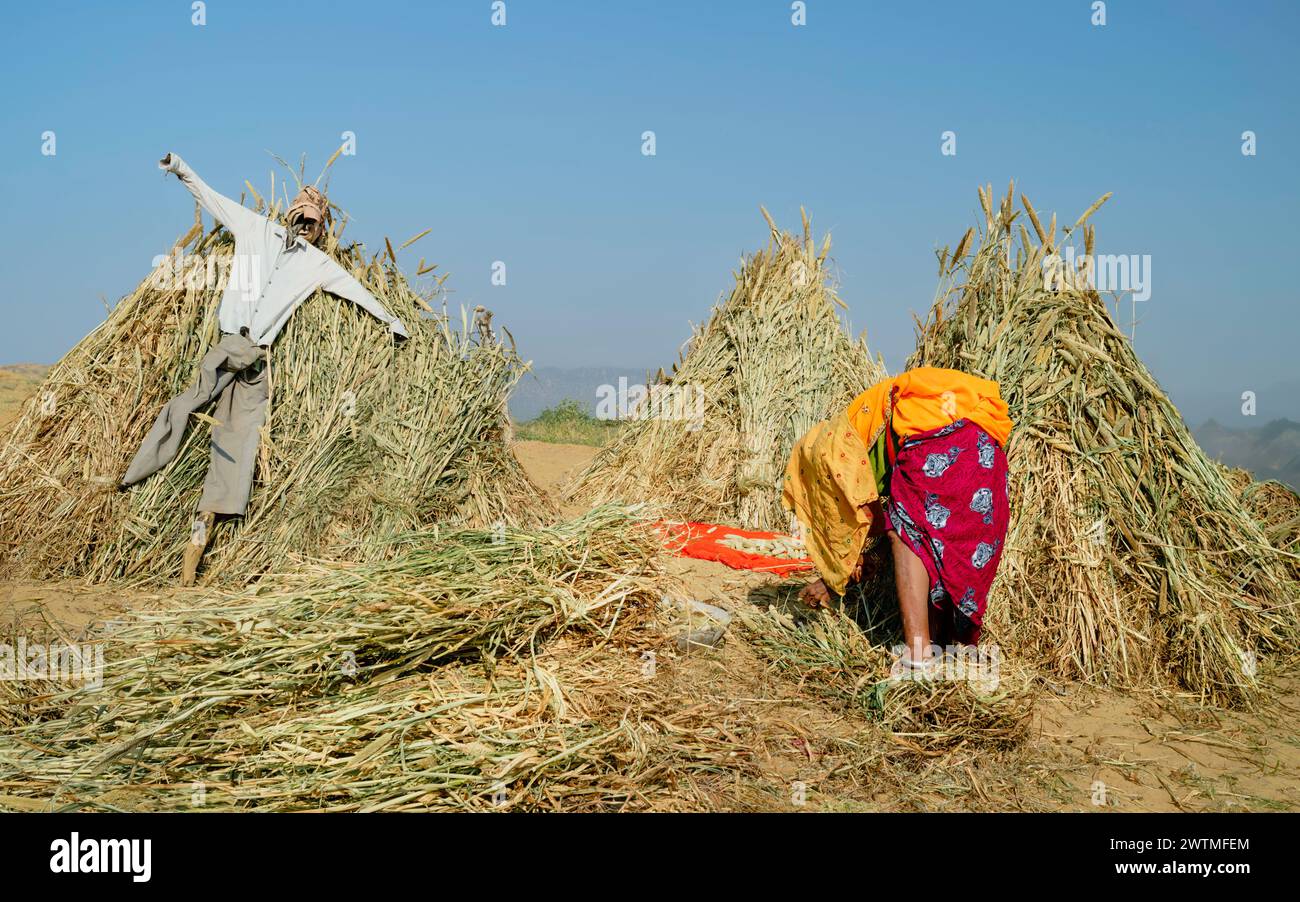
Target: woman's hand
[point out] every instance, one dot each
(815, 594)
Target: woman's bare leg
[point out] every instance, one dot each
(913, 584)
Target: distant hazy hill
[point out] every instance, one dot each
(1277, 400)
(1271, 451)
(17, 382)
(547, 386)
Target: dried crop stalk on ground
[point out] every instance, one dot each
(349, 686)
(773, 359)
(980, 700)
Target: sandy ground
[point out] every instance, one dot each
(1130, 752)
(552, 466)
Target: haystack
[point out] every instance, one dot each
(363, 439)
(1129, 558)
(711, 440)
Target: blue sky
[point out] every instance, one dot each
(523, 144)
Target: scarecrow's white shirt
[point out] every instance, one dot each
(268, 281)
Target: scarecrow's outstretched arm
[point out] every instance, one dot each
(339, 282)
(230, 213)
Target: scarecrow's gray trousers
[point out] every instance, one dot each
(233, 373)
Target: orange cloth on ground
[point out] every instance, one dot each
(829, 496)
(704, 541)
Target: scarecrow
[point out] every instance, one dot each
(920, 459)
(275, 268)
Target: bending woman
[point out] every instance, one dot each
(920, 458)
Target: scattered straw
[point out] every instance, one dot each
(359, 686)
